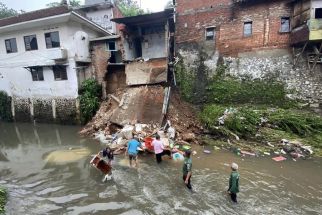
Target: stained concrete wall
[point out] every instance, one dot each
(149, 72)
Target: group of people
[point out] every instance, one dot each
(160, 150)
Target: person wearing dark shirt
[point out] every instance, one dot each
(234, 182)
(187, 169)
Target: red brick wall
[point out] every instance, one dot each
(229, 21)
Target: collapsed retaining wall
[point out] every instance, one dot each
(57, 110)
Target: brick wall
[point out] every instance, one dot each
(228, 20)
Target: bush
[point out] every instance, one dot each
(3, 200)
(243, 122)
(90, 92)
(300, 123)
(5, 107)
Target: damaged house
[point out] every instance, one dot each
(44, 57)
(136, 70)
(254, 38)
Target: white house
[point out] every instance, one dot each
(43, 57)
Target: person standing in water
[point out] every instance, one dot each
(234, 183)
(159, 149)
(187, 169)
(132, 150)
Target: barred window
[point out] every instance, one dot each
(60, 73)
(52, 40)
(11, 45)
(31, 42)
(37, 73)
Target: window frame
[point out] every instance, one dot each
(213, 28)
(28, 36)
(10, 44)
(108, 46)
(38, 71)
(320, 12)
(50, 44)
(251, 29)
(289, 24)
(60, 72)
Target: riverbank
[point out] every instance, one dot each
(3, 200)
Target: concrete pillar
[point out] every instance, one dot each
(53, 104)
(13, 112)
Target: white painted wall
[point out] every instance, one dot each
(156, 46)
(17, 81)
(103, 18)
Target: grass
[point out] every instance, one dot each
(3, 200)
(264, 124)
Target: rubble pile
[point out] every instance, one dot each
(125, 113)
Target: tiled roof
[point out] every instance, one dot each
(37, 14)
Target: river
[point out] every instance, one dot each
(40, 184)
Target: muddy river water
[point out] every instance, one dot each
(46, 171)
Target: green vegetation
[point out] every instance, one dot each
(262, 124)
(129, 7)
(90, 93)
(5, 107)
(6, 12)
(3, 200)
(73, 3)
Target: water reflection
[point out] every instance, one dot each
(74, 187)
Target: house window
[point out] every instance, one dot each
(11, 45)
(111, 46)
(60, 73)
(52, 40)
(248, 29)
(285, 24)
(210, 33)
(37, 73)
(31, 42)
(318, 13)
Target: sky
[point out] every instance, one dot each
(29, 5)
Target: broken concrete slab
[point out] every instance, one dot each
(146, 72)
(144, 105)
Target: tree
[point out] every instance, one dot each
(6, 12)
(73, 3)
(129, 7)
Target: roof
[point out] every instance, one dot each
(45, 17)
(37, 14)
(157, 17)
(111, 37)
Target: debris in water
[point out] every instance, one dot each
(279, 158)
(267, 153)
(248, 153)
(207, 151)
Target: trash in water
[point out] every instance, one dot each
(279, 158)
(247, 153)
(177, 156)
(207, 151)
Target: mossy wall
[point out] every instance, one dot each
(5, 107)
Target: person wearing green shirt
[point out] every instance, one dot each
(186, 169)
(234, 182)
